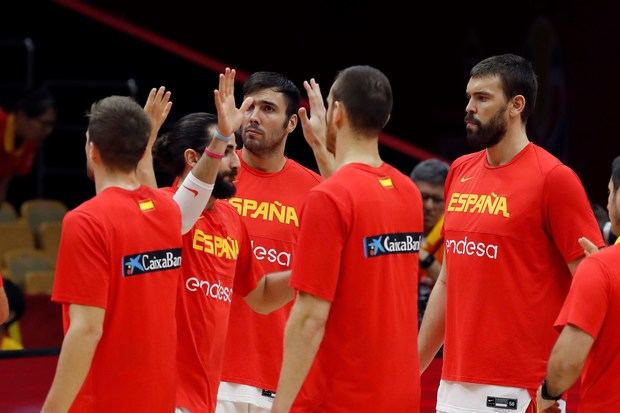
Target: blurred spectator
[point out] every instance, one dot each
(430, 176)
(22, 129)
(604, 223)
(17, 305)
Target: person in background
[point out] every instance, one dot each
(22, 130)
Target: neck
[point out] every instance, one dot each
(272, 161)
(106, 179)
(355, 148)
(511, 144)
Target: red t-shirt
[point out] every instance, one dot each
(269, 205)
(358, 248)
(509, 233)
(217, 260)
(121, 251)
(14, 159)
(593, 305)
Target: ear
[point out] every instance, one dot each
(191, 157)
(292, 123)
(517, 105)
(339, 113)
(93, 152)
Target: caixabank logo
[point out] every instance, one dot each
(150, 261)
(399, 243)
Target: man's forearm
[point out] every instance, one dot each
(325, 161)
(78, 349)
(431, 334)
(302, 338)
(271, 293)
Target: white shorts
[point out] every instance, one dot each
(460, 397)
(240, 398)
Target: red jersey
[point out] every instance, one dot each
(217, 260)
(358, 248)
(14, 159)
(593, 305)
(509, 233)
(269, 205)
(121, 251)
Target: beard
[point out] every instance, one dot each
(489, 134)
(223, 188)
(264, 144)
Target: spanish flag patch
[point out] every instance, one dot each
(146, 205)
(386, 182)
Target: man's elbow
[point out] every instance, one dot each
(565, 367)
(89, 332)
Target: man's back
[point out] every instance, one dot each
(121, 251)
(360, 233)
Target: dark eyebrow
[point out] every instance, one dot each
(266, 102)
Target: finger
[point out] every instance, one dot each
(149, 99)
(245, 105)
(166, 98)
(226, 89)
(317, 91)
(218, 103)
(160, 93)
(588, 246)
(303, 117)
(221, 85)
(166, 111)
(233, 74)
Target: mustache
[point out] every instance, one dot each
(252, 129)
(469, 118)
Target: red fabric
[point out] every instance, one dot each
(509, 233)
(25, 388)
(134, 365)
(593, 305)
(217, 260)
(41, 324)
(20, 159)
(367, 361)
(269, 205)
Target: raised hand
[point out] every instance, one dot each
(157, 107)
(315, 126)
(229, 117)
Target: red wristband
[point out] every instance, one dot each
(213, 155)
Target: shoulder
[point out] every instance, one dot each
(469, 159)
(302, 172)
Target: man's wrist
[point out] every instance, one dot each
(544, 392)
(427, 262)
(223, 138)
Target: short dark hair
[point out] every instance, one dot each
(120, 130)
(35, 102)
(615, 173)
(516, 75)
(277, 82)
(433, 171)
(189, 132)
(366, 94)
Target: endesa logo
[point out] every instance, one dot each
(150, 261)
(271, 255)
(211, 290)
(399, 243)
(472, 248)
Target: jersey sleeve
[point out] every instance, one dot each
(587, 301)
(322, 234)
(83, 267)
(247, 271)
(568, 213)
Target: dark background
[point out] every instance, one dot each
(425, 48)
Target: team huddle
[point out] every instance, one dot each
(252, 284)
